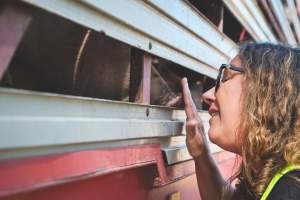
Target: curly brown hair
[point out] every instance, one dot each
(271, 112)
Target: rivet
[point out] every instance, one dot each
(150, 46)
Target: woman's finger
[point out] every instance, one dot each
(189, 105)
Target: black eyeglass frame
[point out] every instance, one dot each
(228, 66)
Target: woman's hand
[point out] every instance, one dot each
(195, 139)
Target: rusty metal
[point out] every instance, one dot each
(140, 77)
(242, 35)
(14, 20)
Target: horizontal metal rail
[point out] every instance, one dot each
(174, 31)
(30, 119)
(34, 123)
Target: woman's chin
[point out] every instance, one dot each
(219, 140)
(212, 135)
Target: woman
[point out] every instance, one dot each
(255, 113)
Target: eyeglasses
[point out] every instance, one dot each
(223, 73)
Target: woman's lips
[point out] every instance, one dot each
(213, 110)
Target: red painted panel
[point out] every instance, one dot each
(128, 184)
(123, 173)
(131, 184)
(188, 187)
(31, 173)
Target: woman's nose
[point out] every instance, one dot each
(209, 96)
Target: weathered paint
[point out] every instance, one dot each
(37, 172)
(126, 173)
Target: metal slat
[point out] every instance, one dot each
(283, 21)
(163, 28)
(34, 123)
(272, 19)
(260, 19)
(194, 21)
(246, 14)
(30, 119)
(237, 13)
(148, 27)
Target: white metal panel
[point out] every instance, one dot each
(241, 12)
(34, 123)
(238, 14)
(194, 21)
(30, 119)
(139, 23)
(260, 19)
(152, 21)
(283, 21)
(250, 19)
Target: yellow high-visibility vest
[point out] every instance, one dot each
(276, 178)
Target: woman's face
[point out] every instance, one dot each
(225, 110)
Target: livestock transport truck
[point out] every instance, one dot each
(85, 86)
